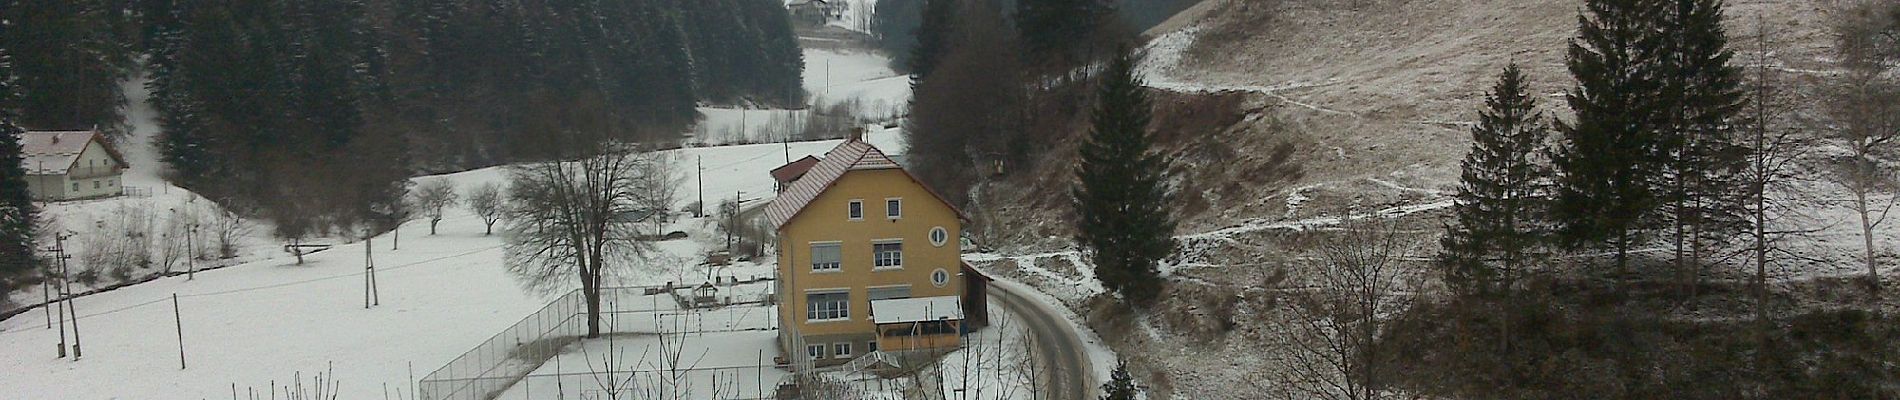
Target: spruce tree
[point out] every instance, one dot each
(933, 35)
(17, 212)
(1120, 386)
(1703, 160)
(1607, 160)
(1503, 195)
(1120, 199)
(69, 60)
(1054, 28)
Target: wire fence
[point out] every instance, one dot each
(504, 365)
(757, 382)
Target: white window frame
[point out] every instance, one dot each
(938, 230)
(858, 205)
(844, 310)
(900, 208)
(815, 351)
(841, 350)
(871, 345)
(878, 258)
(942, 272)
(813, 257)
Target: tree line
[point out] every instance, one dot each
(1688, 149)
(1672, 146)
(313, 114)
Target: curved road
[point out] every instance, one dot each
(1069, 375)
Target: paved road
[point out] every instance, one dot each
(1069, 375)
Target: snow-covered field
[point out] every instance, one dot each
(265, 321)
(861, 81)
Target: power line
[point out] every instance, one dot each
(265, 287)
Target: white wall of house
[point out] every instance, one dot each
(47, 187)
(95, 174)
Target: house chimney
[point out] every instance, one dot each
(856, 135)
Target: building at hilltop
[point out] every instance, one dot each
(69, 165)
(868, 260)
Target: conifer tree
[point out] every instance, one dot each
(17, 212)
(1054, 28)
(1607, 160)
(932, 38)
(1120, 199)
(1120, 386)
(69, 60)
(1502, 199)
(1702, 160)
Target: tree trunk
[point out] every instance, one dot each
(590, 288)
(395, 242)
(490, 229)
(432, 224)
(1867, 236)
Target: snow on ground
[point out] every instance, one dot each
(267, 320)
(709, 365)
(838, 76)
(1101, 357)
(862, 81)
(995, 363)
(151, 203)
(742, 170)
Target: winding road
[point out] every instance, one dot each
(1069, 375)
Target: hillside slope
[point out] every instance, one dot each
(1283, 115)
(1385, 88)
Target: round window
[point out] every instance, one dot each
(939, 236)
(939, 277)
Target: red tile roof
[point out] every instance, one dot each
(852, 155)
(792, 171)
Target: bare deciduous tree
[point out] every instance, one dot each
(1359, 283)
(570, 219)
(486, 202)
(433, 199)
(1866, 112)
(1775, 148)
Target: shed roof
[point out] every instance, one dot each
(852, 155)
(56, 152)
(792, 171)
(898, 311)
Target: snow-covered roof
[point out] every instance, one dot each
(852, 155)
(55, 152)
(898, 311)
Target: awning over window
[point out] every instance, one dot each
(898, 311)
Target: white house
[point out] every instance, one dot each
(67, 165)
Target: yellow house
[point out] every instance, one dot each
(868, 260)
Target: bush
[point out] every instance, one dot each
(1561, 350)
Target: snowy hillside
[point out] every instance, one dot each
(856, 84)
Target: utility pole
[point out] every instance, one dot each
(700, 163)
(66, 296)
(370, 295)
(46, 295)
(179, 319)
(191, 252)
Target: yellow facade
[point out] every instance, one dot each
(826, 220)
